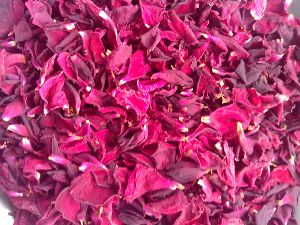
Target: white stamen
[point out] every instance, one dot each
(15, 194)
(218, 146)
(221, 83)
(204, 35)
(108, 52)
(177, 186)
(283, 98)
(205, 119)
(201, 183)
(215, 70)
(185, 138)
(201, 65)
(121, 82)
(184, 129)
(232, 54)
(66, 106)
(12, 43)
(38, 176)
(181, 118)
(6, 119)
(88, 88)
(101, 210)
(4, 145)
(82, 168)
(291, 17)
(12, 128)
(82, 34)
(25, 141)
(292, 160)
(145, 127)
(240, 130)
(103, 15)
(70, 26)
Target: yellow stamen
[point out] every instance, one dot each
(240, 130)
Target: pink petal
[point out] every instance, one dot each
(13, 109)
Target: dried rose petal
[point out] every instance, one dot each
(150, 112)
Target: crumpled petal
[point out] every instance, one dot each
(152, 11)
(11, 13)
(138, 67)
(225, 120)
(67, 206)
(40, 12)
(139, 101)
(84, 189)
(119, 56)
(52, 93)
(258, 8)
(144, 179)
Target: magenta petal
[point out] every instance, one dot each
(11, 13)
(40, 12)
(75, 147)
(67, 206)
(13, 109)
(32, 165)
(84, 189)
(174, 77)
(62, 61)
(93, 45)
(164, 155)
(119, 56)
(144, 179)
(137, 67)
(150, 85)
(22, 31)
(150, 112)
(281, 174)
(51, 92)
(169, 205)
(264, 215)
(19, 129)
(225, 120)
(73, 98)
(151, 38)
(152, 11)
(181, 28)
(139, 101)
(258, 9)
(232, 221)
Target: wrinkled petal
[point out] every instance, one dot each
(67, 206)
(144, 179)
(52, 93)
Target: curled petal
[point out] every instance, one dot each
(13, 109)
